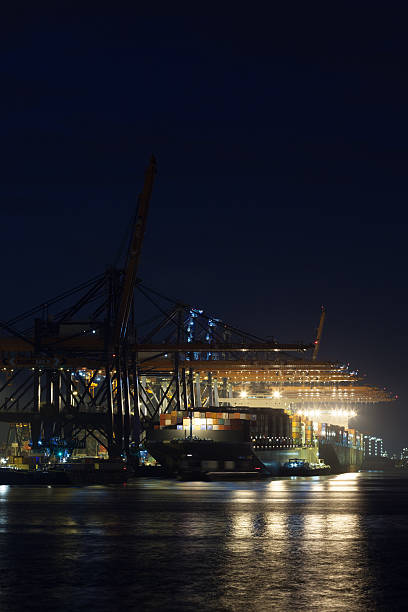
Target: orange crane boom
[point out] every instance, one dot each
(133, 256)
(319, 334)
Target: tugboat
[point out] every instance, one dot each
(300, 467)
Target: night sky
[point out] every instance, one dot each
(281, 141)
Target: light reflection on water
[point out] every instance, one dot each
(321, 543)
(309, 558)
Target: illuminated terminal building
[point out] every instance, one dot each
(373, 446)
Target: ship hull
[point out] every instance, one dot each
(197, 458)
(186, 457)
(341, 458)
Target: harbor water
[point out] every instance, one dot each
(318, 543)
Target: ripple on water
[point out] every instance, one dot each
(323, 543)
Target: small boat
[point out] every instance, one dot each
(319, 469)
(77, 472)
(20, 477)
(300, 467)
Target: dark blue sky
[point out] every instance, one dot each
(281, 140)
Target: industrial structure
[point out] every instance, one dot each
(83, 364)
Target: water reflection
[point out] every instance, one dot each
(241, 527)
(335, 555)
(344, 482)
(304, 547)
(327, 543)
(277, 485)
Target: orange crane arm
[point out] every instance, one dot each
(319, 334)
(133, 256)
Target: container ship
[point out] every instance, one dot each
(263, 441)
(193, 444)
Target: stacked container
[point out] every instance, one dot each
(172, 420)
(296, 428)
(308, 431)
(340, 435)
(203, 421)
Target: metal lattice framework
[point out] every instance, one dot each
(61, 375)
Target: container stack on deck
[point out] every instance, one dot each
(296, 428)
(340, 436)
(205, 421)
(301, 430)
